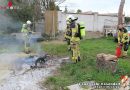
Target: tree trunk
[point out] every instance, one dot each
(120, 12)
(106, 62)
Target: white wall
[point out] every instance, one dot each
(93, 22)
(88, 20)
(61, 21)
(106, 20)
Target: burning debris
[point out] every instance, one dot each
(23, 77)
(40, 61)
(30, 62)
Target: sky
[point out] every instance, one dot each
(101, 6)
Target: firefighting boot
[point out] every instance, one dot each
(124, 55)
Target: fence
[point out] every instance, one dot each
(51, 23)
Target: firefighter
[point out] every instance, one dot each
(125, 42)
(78, 33)
(68, 32)
(29, 28)
(120, 35)
(26, 30)
(75, 41)
(74, 33)
(123, 39)
(26, 38)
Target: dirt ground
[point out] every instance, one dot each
(15, 72)
(6, 63)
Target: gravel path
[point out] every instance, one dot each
(22, 77)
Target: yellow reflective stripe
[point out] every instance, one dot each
(125, 37)
(67, 37)
(120, 36)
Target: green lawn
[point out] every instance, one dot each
(86, 69)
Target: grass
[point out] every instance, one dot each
(58, 48)
(86, 69)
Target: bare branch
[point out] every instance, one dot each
(51, 4)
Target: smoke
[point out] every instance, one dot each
(34, 44)
(10, 39)
(7, 23)
(8, 42)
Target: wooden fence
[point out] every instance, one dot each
(51, 19)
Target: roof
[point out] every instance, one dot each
(93, 13)
(114, 15)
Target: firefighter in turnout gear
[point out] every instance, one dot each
(75, 40)
(125, 42)
(120, 35)
(68, 32)
(26, 30)
(26, 38)
(78, 32)
(74, 33)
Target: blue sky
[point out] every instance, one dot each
(101, 6)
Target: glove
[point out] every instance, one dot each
(120, 45)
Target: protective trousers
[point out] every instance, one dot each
(27, 43)
(68, 41)
(125, 48)
(75, 51)
(68, 37)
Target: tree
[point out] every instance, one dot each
(37, 10)
(51, 4)
(79, 11)
(23, 13)
(127, 20)
(120, 12)
(66, 10)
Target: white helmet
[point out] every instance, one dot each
(29, 22)
(70, 17)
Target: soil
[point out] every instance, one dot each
(15, 72)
